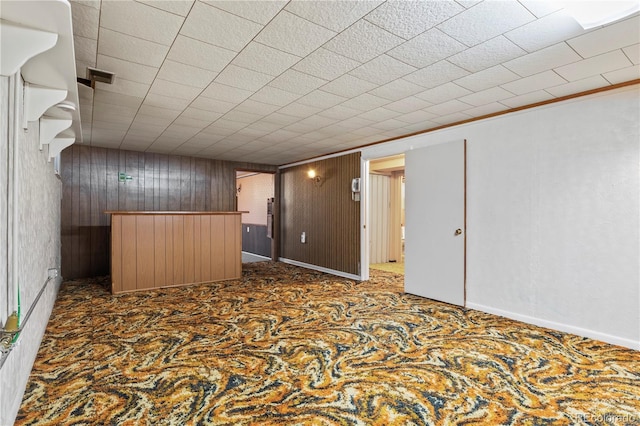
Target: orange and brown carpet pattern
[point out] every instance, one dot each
(290, 346)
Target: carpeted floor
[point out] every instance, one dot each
(395, 267)
(285, 345)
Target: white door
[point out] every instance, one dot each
(379, 218)
(435, 222)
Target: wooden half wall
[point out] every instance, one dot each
(91, 185)
(325, 212)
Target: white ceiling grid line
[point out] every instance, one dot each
(281, 81)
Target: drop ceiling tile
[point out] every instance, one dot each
(116, 99)
(131, 49)
(255, 107)
(85, 20)
(217, 133)
(199, 54)
(434, 75)
(419, 116)
(357, 123)
(389, 124)
(326, 64)
(410, 18)
(274, 96)
(297, 82)
(446, 108)
(614, 36)
(397, 90)
(455, 117)
(468, 3)
(407, 105)
(200, 114)
(229, 124)
(281, 119)
(181, 132)
(259, 57)
(158, 112)
(226, 93)
(174, 90)
(544, 32)
(141, 21)
(265, 127)
(339, 112)
(596, 65)
(443, 93)
(427, 48)
(283, 135)
(633, 53)
(363, 41)
(257, 11)
(348, 85)
(108, 112)
(220, 28)
(485, 109)
(485, 21)
(485, 55)
(420, 127)
(578, 86)
(382, 70)
(243, 78)
(127, 70)
(543, 60)
(186, 74)
(242, 117)
(168, 102)
(184, 120)
(141, 130)
(111, 125)
(293, 34)
(533, 83)
(365, 102)
(178, 7)
(527, 99)
(335, 15)
(623, 75)
(541, 8)
(212, 105)
(299, 110)
(379, 114)
(321, 99)
(86, 50)
(125, 87)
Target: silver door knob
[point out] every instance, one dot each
(458, 231)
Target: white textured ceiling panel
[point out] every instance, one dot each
(280, 81)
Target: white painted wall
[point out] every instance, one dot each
(379, 191)
(39, 194)
(553, 213)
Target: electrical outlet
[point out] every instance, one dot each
(52, 273)
(303, 238)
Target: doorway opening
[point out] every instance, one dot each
(255, 195)
(386, 214)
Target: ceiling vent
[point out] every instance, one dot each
(94, 75)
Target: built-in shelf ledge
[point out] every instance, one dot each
(50, 127)
(20, 43)
(38, 99)
(59, 143)
(36, 43)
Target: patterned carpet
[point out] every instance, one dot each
(286, 345)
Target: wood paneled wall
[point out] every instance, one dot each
(326, 213)
(159, 182)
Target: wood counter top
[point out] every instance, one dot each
(150, 212)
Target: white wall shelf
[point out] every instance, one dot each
(37, 41)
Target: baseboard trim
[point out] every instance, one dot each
(257, 255)
(615, 340)
(320, 269)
